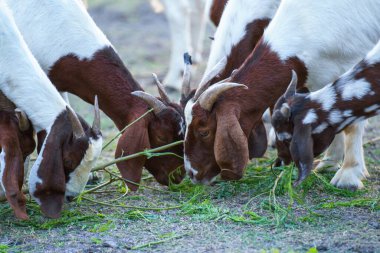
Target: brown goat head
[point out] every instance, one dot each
(64, 162)
(215, 142)
(163, 126)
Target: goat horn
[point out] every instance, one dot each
(96, 123)
(203, 85)
(209, 97)
(161, 89)
(23, 122)
(152, 101)
(291, 91)
(186, 89)
(78, 131)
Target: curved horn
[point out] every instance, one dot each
(186, 88)
(96, 122)
(203, 85)
(292, 88)
(161, 89)
(152, 101)
(209, 97)
(23, 122)
(78, 131)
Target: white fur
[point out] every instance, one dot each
(353, 169)
(310, 117)
(319, 129)
(356, 89)
(21, 78)
(232, 27)
(335, 116)
(347, 113)
(188, 118)
(326, 97)
(315, 31)
(2, 170)
(371, 108)
(284, 136)
(188, 167)
(53, 29)
(79, 177)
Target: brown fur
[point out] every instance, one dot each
(106, 76)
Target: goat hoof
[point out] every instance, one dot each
(347, 178)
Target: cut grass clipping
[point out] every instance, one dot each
(264, 197)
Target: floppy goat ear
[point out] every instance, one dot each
(257, 141)
(47, 181)
(231, 147)
(301, 148)
(134, 139)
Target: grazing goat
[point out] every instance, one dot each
(16, 143)
(79, 59)
(306, 127)
(187, 22)
(219, 118)
(70, 148)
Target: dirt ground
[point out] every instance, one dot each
(260, 213)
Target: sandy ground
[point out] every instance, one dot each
(142, 39)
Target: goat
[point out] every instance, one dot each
(219, 118)
(306, 128)
(71, 147)
(16, 143)
(79, 59)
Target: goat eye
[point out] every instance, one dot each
(204, 133)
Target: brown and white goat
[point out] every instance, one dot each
(79, 59)
(308, 123)
(220, 118)
(16, 144)
(71, 147)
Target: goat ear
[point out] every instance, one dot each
(231, 147)
(301, 148)
(133, 140)
(47, 182)
(257, 141)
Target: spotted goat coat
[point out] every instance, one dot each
(307, 123)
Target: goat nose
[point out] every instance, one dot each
(69, 198)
